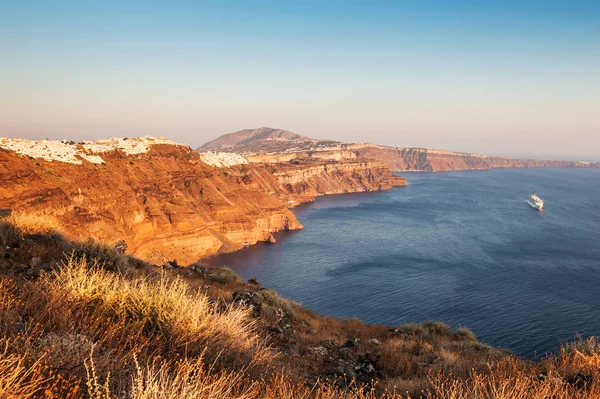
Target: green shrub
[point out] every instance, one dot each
(271, 298)
(223, 275)
(465, 334)
(106, 257)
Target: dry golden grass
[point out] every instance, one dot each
(83, 331)
(17, 379)
(574, 373)
(30, 223)
(163, 308)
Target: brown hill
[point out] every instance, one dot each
(265, 148)
(262, 139)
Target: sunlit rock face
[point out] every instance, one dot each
(157, 196)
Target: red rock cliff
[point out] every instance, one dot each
(421, 159)
(165, 203)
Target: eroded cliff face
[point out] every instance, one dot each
(266, 145)
(421, 159)
(165, 203)
(302, 179)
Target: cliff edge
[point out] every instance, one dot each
(158, 196)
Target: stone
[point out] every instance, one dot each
(247, 298)
(373, 341)
(121, 246)
(20, 327)
(21, 268)
(579, 380)
(329, 344)
(347, 354)
(316, 352)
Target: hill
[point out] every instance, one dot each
(266, 148)
(262, 139)
(84, 320)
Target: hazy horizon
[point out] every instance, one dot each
(512, 78)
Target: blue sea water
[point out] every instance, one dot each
(460, 247)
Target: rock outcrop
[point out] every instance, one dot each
(164, 202)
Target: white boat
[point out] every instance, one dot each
(536, 202)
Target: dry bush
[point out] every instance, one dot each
(223, 275)
(31, 223)
(102, 255)
(17, 380)
(81, 331)
(167, 309)
(573, 374)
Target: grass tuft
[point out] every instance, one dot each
(31, 224)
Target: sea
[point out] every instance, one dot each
(463, 248)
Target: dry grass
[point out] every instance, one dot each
(30, 224)
(17, 379)
(163, 309)
(88, 331)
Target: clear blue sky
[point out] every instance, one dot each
(496, 77)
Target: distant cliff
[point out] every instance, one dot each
(276, 146)
(421, 159)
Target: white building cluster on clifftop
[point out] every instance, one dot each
(222, 159)
(71, 152)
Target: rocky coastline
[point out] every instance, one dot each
(163, 199)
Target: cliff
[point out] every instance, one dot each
(303, 179)
(264, 145)
(161, 199)
(421, 159)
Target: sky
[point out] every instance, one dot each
(517, 78)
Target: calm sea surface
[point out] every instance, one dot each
(460, 247)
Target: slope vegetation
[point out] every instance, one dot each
(81, 320)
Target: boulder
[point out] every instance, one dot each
(121, 246)
(248, 298)
(351, 343)
(347, 354)
(254, 281)
(317, 352)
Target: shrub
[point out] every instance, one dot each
(17, 380)
(290, 308)
(223, 275)
(99, 254)
(465, 334)
(167, 309)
